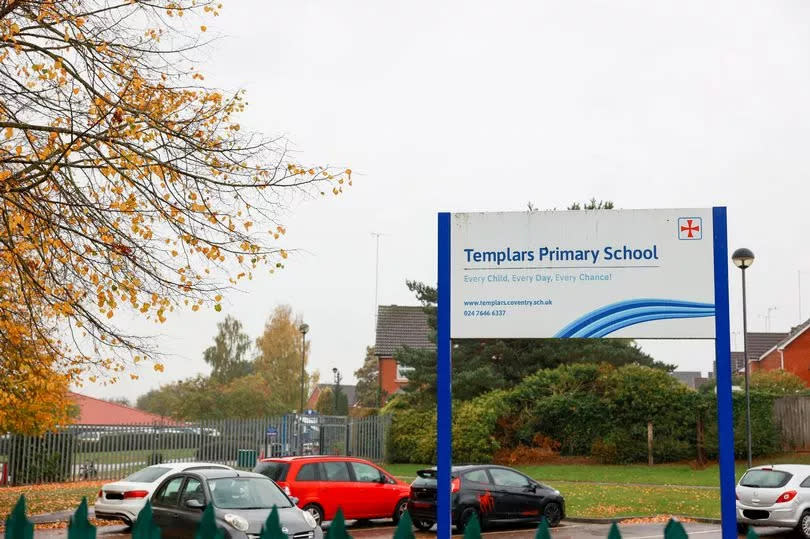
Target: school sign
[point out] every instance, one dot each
(642, 274)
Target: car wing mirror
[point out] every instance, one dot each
(194, 504)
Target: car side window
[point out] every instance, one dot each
(308, 472)
(364, 473)
(336, 471)
(192, 491)
(508, 478)
(169, 494)
(477, 476)
(805, 483)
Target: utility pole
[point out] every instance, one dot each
(376, 278)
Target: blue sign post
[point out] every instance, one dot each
(486, 258)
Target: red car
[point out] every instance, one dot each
(322, 484)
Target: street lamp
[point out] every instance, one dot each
(743, 259)
(337, 387)
(303, 328)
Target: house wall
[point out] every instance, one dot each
(388, 375)
(771, 362)
(797, 357)
(313, 399)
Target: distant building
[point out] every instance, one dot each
(692, 379)
(93, 411)
(791, 354)
(399, 326)
(758, 344)
(349, 391)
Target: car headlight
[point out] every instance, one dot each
(237, 522)
(309, 519)
(556, 492)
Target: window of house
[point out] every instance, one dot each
(402, 372)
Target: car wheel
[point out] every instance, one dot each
(465, 518)
(315, 511)
(423, 525)
(400, 510)
(742, 529)
(804, 525)
(553, 513)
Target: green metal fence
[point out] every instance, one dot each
(19, 527)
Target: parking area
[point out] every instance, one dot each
(564, 531)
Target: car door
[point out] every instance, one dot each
(518, 496)
(188, 518)
(306, 484)
(337, 489)
(372, 492)
(165, 505)
(476, 488)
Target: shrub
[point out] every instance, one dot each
(474, 424)
(413, 436)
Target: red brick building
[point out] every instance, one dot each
(349, 391)
(791, 354)
(398, 326)
(94, 411)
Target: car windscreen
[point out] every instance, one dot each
(277, 471)
(147, 475)
(765, 479)
(246, 493)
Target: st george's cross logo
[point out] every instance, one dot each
(690, 228)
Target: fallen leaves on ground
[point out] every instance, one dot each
(659, 519)
(50, 497)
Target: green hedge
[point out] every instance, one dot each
(589, 410)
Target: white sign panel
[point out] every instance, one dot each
(589, 274)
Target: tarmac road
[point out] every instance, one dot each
(569, 530)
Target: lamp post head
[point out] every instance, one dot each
(303, 328)
(743, 258)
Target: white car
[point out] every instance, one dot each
(124, 499)
(777, 496)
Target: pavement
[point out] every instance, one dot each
(567, 530)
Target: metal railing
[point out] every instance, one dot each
(100, 452)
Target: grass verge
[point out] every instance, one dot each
(681, 474)
(608, 501)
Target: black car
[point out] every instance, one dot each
(492, 493)
(242, 502)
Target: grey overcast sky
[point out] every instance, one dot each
(484, 106)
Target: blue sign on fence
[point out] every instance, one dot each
(272, 431)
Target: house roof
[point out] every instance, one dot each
(795, 333)
(93, 411)
(349, 391)
(760, 343)
(399, 326)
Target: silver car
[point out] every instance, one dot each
(777, 496)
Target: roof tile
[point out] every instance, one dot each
(400, 325)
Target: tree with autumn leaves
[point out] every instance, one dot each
(126, 184)
(245, 381)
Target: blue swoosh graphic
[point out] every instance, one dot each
(616, 316)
